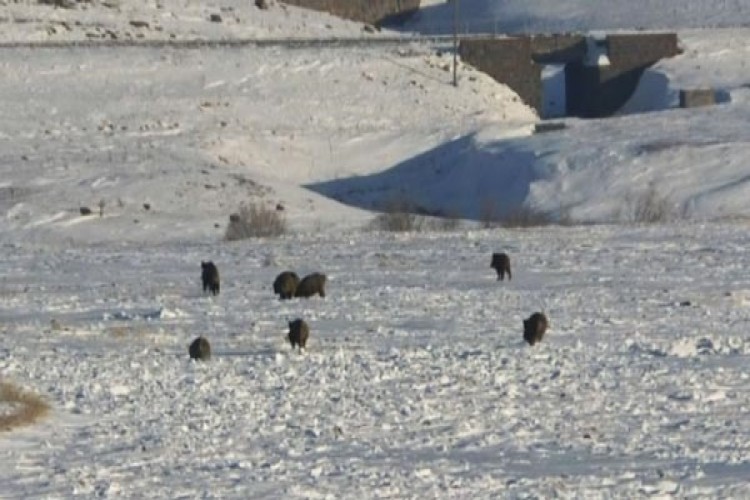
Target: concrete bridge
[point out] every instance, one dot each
(596, 74)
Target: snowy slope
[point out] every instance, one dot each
(195, 133)
(139, 20)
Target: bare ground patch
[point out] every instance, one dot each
(18, 407)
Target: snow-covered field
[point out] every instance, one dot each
(416, 382)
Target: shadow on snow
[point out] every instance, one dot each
(459, 178)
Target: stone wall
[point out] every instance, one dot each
(508, 61)
(591, 91)
(517, 61)
(366, 11)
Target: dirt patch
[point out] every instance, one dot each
(18, 407)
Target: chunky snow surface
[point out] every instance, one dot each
(416, 382)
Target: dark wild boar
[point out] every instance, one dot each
(298, 333)
(534, 328)
(310, 285)
(210, 277)
(285, 284)
(200, 349)
(501, 264)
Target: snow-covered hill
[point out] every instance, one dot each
(139, 20)
(195, 132)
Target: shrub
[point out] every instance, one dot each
(255, 221)
(649, 207)
(488, 214)
(652, 207)
(25, 408)
(444, 223)
(524, 216)
(399, 216)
